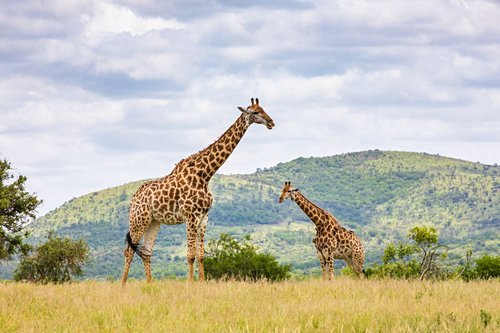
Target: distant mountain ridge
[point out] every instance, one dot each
(378, 194)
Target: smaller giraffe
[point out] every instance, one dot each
(332, 240)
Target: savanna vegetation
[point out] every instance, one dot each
(346, 305)
(378, 194)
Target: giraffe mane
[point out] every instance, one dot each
(195, 155)
(322, 210)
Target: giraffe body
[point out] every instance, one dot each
(332, 240)
(183, 197)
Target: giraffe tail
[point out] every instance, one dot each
(136, 247)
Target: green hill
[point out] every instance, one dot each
(378, 194)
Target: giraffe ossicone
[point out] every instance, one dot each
(183, 197)
(332, 240)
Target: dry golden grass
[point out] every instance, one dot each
(346, 305)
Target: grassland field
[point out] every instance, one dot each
(344, 305)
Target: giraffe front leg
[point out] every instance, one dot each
(200, 247)
(322, 261)
(324, 269)
(191, 247)
(330, 268)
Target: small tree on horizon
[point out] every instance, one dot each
(488, 267)
(17, 208)
(418, 259)
(58, 260)
(228, 257)
(426, 243)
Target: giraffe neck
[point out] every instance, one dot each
(315, 213)
(207, 161)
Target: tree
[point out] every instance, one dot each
(58, 260)
(229, 258)
(488, 267)
(426, 241)
(17, 208)
(417, 259)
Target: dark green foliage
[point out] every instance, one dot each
(488, 267)
(228, 257)
(17, 208)
(58, 260)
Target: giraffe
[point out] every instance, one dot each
(183, 197)
(332, 240)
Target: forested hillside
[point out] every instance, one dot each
(378, 194)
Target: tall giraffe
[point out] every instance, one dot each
(332, 240)
(183, 196)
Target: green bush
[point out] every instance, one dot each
(488, 267)
(229, 258)
(58, 260)
(416, 260)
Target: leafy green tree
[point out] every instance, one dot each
(488, 267)
(58, 260)
(398, 262)
(231, 258)
(426, 241)
(418, 259)
(17, 208)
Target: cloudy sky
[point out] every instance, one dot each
(95, 94)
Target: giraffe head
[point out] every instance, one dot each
(257, 115)
(287, 192)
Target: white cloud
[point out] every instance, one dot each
(109, 19)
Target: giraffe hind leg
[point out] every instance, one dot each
(147, 248)
(133, 236)
(129, 255)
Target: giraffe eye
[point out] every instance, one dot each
(255, 113)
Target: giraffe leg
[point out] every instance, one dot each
(129, 255)
(331, 272)
(149, 241)
(191, 229)
(138, 225)
(200, 247)
(324, 267)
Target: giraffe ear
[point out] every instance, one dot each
(242, 109)
(295, 190)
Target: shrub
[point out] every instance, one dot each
(488, 267)
(229, 258)
(58, 260)
(416, 260)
